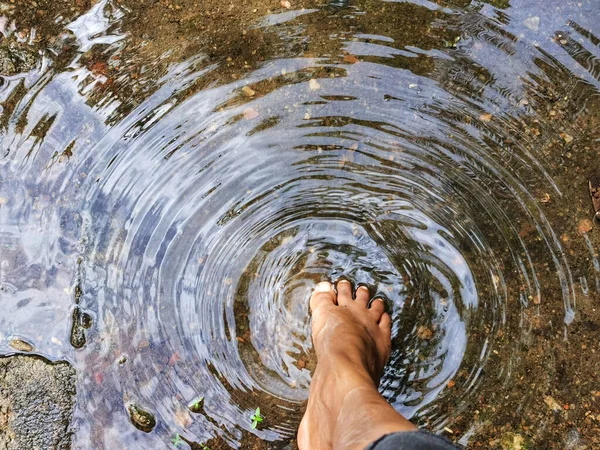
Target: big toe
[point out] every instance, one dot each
(323, 294)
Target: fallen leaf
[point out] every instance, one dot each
(567, 137)
(585, 226)
(485, 117)
(350, 59)
(250, 113)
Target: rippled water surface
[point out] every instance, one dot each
(175, 178)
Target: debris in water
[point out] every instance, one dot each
(425, 333)
(594, 182)
(533, 23)
(250, 113)
(248, 91)
(585, 226)
(545, 198)
(21, 345)
(567, 137)
(485, 117)
(140, 418)
(552, 404)
(314, 85)
(514, 441)
(351, 59)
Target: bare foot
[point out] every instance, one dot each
(352, 340)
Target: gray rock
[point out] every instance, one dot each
(36, 403)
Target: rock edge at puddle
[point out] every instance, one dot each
(36, 403)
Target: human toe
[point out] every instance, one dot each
(362, 296)
(385, 323)
(323, 294)
(377, 308)
(344, 289)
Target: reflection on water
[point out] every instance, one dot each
(167, 203)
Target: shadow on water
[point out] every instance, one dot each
(177, 177)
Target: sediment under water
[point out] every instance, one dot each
(168, 202)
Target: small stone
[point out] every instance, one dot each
(286, 4)
(21, 345)
(413, 86)
(485, 117)
(314, 85)
(585, 226)
(451, 384)
(248, 91)
(140, 418)
(250, 113)
(533, 23)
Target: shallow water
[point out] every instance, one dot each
(168, 204)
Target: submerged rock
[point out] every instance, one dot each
(21, 345)
(140, 418)
(36, 403)
(16, 59)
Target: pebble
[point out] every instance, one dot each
(585, 226)
(314, 84)
(250, 113)
(140, 418)
(533, 23)
(248, 91)
(21, 345)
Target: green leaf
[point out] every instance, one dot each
(176, 440)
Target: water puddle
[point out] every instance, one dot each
(175, 178)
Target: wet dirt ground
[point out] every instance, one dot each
(177, 176)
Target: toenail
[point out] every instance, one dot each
(363, 287)
(343, 281)
(323, 286)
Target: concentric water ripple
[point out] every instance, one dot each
(190, 232)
